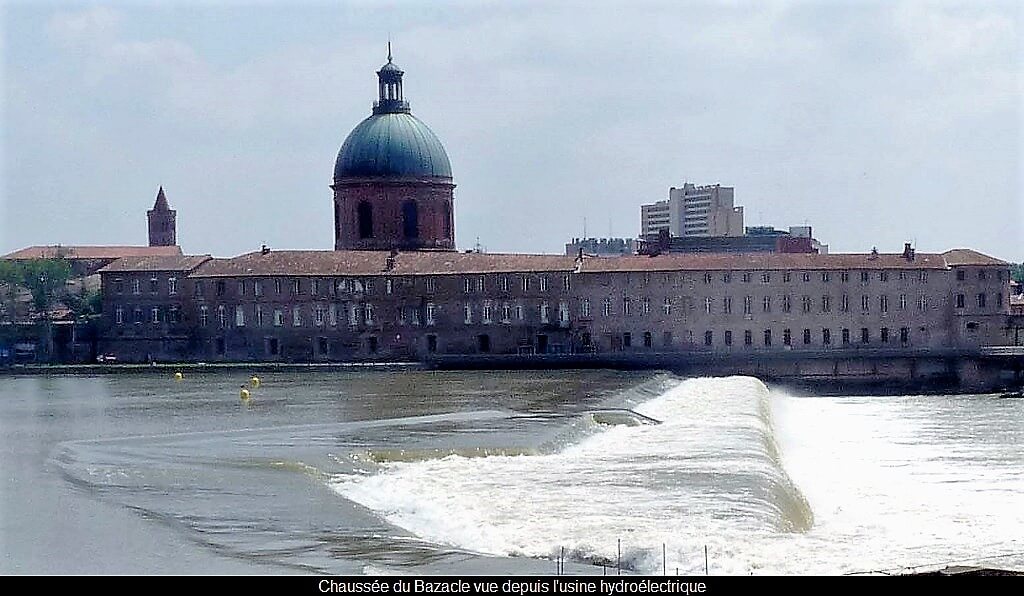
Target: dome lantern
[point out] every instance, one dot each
(389, 84)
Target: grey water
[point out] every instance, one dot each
(371, 471)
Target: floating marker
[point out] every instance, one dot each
(244, 393)
(255, 382)
(178, 376)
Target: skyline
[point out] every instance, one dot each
(859, 119)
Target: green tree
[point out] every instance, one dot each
(45, 279)
(10, 278)
(1017, 272)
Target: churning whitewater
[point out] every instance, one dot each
(711, 474)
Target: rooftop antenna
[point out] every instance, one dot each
(584, 227)
(389, 47)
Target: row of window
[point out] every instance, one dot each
(153, 285)
(981, 300)
(767, 338)
(154, 315)
(766, 304)
(961, 275)
(806, 276)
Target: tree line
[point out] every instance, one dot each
(46, 281)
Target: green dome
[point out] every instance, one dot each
(392, 144)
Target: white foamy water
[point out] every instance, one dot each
(861, 484)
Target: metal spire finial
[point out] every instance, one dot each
(389, 48)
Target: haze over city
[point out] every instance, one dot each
(875, 123)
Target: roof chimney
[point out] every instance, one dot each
(908, 251)
(265, 250)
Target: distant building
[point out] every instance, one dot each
(757, 239)
(602, 247)
(693, 211)
(163, 223)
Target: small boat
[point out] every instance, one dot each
(1012, 395)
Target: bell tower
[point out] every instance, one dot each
(162, 222)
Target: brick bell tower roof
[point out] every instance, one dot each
(392, 142)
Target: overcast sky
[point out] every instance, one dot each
(874, 122)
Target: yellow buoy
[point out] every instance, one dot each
(244, 393)
(178, 376)
(255, 382)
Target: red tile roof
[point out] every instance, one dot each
(156, 263)
(966, 256)
(91, 252)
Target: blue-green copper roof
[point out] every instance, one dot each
(392, 144)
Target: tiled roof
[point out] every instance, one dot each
(966, 256)
(156, 263)
(762, 261)
(92, 252)
(364, 262)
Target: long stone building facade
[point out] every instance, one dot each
(395, 290)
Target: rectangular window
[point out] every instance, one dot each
(846, 336)
(903, 302)
(903, 275)
(960, 275)
(625, 306)
(480, 284)
(314, 287)
(999, 300)
(119, 315)
(960, 301)
(353, 315)
(981, 300)
(904, 334)
(520, 313)
(204, 316)
(728, 338)
(368, 285)
(707, 278)
(296, 316)
(504, 283)
(506, 312)
(885, 335)
(883, 276)
(646, 306)
(277, 286)
(824, 276)
(118, 285)
(606, 308)
(585, 307)
(748, 303)
(786, 277)
(883, 303)
(221, 287)
(981, 274)
(543, 283)
(257, 287)
(708, 336)
(239, 316)
(172, 285)
(666, 306)
(258, 315)
(787, 337)
(368, 314)
(748, 338)
(401, 315)
(766, 278)
(805, 302)
(222, 318)
(826, 337)
(864, 277)
(826, 304)
(727, 305)
(864, 336)
(487, 312)
(135, 287)
(332, 315)
(543, 312)
(806, 276)
(766, 304)
(727, 277)
(430, 313)
(526, 284)
(627, 339)
(154, 285)
(278, 317)
(318, 316)
(786, 303)
(707, 305)
(844, 276)
(807, 336)
(864, 303)
(139, 317)
(565, 283)
(155, 315)
(241, 287)
(845, 304)
(430, 285)
(922, 276)
(467, 311)
(296, 286)
(767, 337)
(747, 277)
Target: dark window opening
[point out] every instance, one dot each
(431, 343)
(728, 338)
(220, 346)
(447, 221)
(807, 336)
(542, 344)
(585, 340)
(748, 338)
(322, 346)
(365, 214)
(768, 337)
(627, 340)
(648, 340)
(371, 345)
(410, 219)
(484, 343)
(273, 346)
(708, 338)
